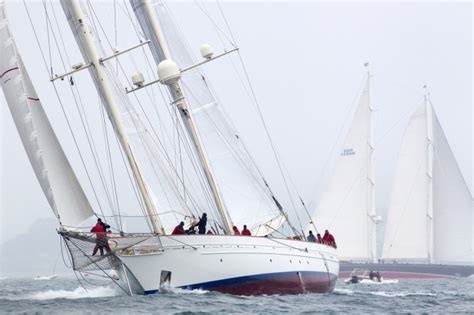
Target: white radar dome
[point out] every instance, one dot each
(168, 72)
(206, 51)
(138, 79)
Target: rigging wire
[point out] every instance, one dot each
(220, 31)
(110, 162)
(261, 116)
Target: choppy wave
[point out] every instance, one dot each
(63, 296)
(340, 291)
(400, 294)
(79, 293)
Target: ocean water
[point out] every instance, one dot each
(66, 296)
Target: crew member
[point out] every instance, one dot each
(246, 231)
(202, 224)
(236, 230)
(311, 237)
(100, 230)
(179, 229)
(328, 239)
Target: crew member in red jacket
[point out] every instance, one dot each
(236, 230)
(100, 230)
(179, 229)
(328, 239)
(246, 231)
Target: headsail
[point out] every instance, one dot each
(347, 206)
(430, 215)
(54, 173)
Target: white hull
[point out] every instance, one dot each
(233, 264)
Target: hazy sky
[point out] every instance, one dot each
(306, 62)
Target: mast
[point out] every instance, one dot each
(429, 176)
(80, 26)
(371, 211)
(161, 53)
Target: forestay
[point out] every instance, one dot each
(346, 206)
(54, 173)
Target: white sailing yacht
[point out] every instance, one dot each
(431, 214)
(213, 173)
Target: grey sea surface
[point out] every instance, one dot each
(67, 296)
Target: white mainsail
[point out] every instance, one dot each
(430, 215)
(54, 173)
(346, 207)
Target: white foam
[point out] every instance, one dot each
(343, 291)
(167, 289)
(79, 293)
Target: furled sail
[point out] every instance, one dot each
(430, 216)
(346, 207)
(242, 187)
(54, 173)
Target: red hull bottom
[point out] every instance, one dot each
(270, 284)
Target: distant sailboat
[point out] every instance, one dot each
(347, 205)
(430, 219)
(53, 274)
(429, 229)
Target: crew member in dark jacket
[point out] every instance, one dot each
(202, 224)
(311, 237)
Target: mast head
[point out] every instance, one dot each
(168, 72)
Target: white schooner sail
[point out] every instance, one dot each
(347, 207)
(52, 169)
(430, 218)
